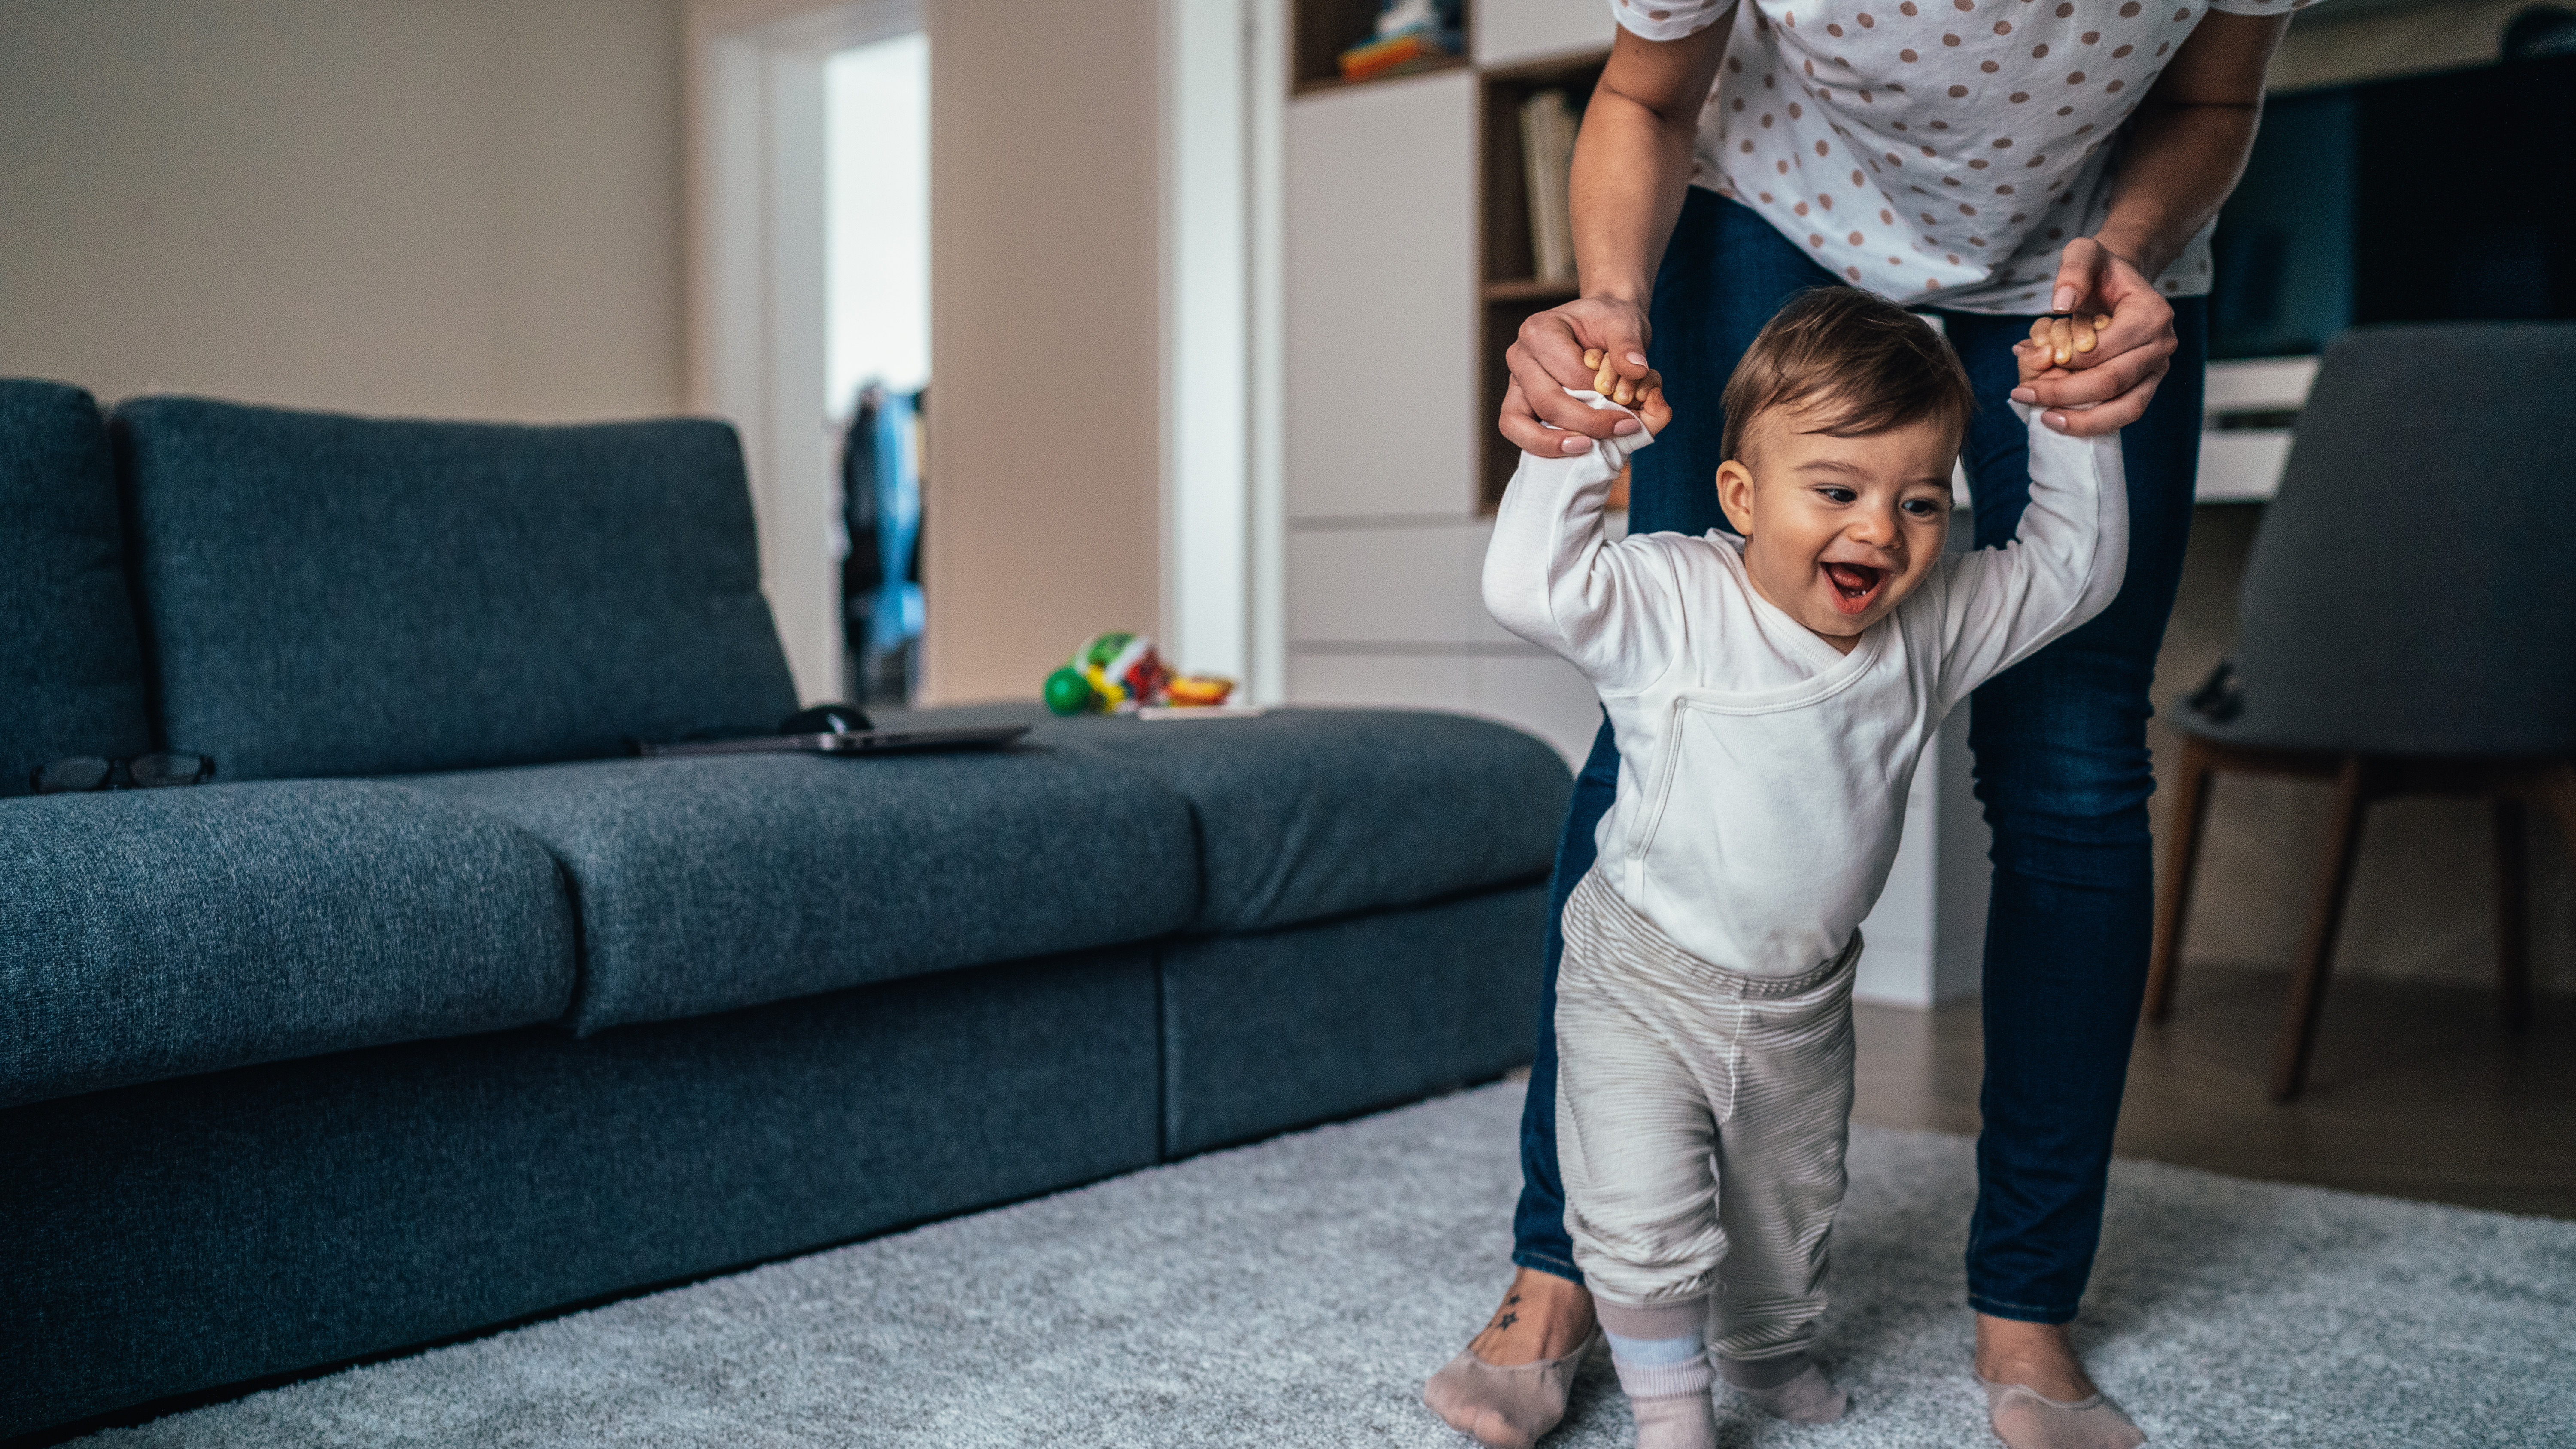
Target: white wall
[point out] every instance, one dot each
(466, 209)
(1042, 506)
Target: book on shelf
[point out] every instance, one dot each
(1547, 151)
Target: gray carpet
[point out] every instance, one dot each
(1296, 1293)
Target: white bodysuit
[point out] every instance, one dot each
(1762, 775)
(1703, 1008)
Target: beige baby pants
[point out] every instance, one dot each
(1700, 1121)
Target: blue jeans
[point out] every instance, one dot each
(2062, 770)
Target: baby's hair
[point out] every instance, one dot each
(1875, 365)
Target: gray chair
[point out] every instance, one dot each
(2408, 626)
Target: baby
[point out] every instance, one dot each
(1771, 695)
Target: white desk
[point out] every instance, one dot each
(2241, 463)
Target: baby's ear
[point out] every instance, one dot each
(1735, 495)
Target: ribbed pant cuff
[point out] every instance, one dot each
(1665, 1381)
(1671, 1319)
(1762, 1373)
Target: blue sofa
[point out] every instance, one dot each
(435, 1010)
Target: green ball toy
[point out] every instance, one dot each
(1067, 692)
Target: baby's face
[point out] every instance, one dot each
(1839, 530)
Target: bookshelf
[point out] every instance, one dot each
(1508, 290)
(1320, 30)
(1384, 274)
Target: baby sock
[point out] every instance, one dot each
(1789, 1387)
(1662, 1361)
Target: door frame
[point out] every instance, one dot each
(756, 338)
(756, 277)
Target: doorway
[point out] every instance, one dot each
(876, 108)
(768, 325)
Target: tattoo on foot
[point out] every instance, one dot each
(1507, 1320)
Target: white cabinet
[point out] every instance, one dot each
(1516, 32)
(2241, 463)
(1381, 299)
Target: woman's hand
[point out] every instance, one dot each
(2110, 383)
(1547, 358)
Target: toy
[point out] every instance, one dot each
(1409, 34)
(1067, 692)
(1121, 671)
(1202, 690)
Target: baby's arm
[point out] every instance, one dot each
(1552, 575)
(2066, 561)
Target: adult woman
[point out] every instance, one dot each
(1991, 160)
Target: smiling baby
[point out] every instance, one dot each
(1770, 695)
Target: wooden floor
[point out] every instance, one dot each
(2416, 1091)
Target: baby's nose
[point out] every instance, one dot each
(1877, 528)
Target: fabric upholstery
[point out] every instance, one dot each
(2391, 605)
(1308, 813)
(157, 933)
(71, 674)
(173, 1237)
(1266, 1032)
(710, 883)
(331, 595)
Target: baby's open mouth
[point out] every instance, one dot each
(1854, 585)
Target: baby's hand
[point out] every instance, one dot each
(2036, 363)
(1645, 395)
(2054, 341)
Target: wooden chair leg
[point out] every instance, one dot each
(2325, 920)
(2555, 788)
(2513, 912)
(2182, 858)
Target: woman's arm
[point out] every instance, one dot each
(2185, 150)
(1632, 163)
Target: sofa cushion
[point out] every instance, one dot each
(1277, 1029)
(1308, 813)
(158, 933)
(71, 674)
(710, 883)
(332, 595)
(176, 1237)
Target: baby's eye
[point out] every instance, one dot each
(1921, 507)
(1837, 494)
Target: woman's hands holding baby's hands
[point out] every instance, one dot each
(2058, 341)
(2053, 342)
(1644, 396)
(1546, 358)
(2116, 346)
(2037, 358)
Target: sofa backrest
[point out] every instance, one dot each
(329, 595)
(71, 675)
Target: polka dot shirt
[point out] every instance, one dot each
(1935, 151)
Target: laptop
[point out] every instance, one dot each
(840, 729)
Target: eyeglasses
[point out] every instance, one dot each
(143, 772)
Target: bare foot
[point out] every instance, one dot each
(2038, 1356)
(1543, 1316)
